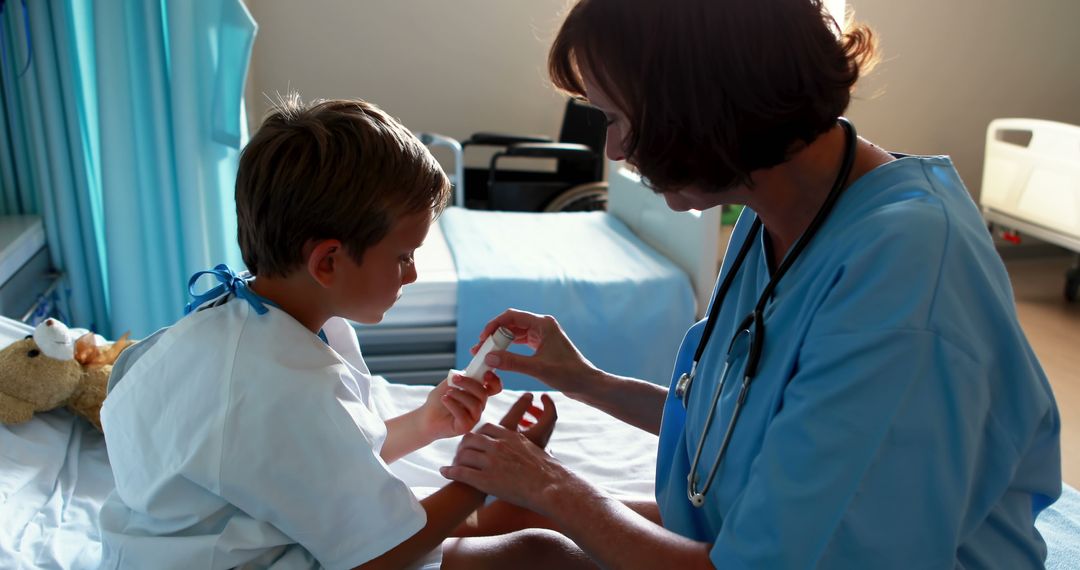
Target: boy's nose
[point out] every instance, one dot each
(410, 275)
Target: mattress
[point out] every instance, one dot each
(55, 474)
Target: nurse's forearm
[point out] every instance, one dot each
(636, 402)
(614, 535)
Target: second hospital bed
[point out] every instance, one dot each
(625, 284)
(1031, 183)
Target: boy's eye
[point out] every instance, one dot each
(407, 258)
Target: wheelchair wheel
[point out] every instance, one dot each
(583, 198)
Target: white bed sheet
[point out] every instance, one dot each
(54, 470)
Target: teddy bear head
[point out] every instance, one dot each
(49, 369)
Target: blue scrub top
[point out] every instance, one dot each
(899, 417)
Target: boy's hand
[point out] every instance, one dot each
(453, 410)
(508, 460)
(539, 430)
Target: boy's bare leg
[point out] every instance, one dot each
(501, 517)
(532, 548)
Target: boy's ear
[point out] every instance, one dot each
(323, 259)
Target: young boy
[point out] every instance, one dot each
(243, 435)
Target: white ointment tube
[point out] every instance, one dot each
(476, 369)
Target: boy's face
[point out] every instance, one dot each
(370, 288)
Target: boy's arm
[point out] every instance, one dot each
(446, 509)
(403, 436)
(447, 412)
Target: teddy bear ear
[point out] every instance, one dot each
(55, 340)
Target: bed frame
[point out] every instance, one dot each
(1031, 184)
(421, 354)
(1031, 179)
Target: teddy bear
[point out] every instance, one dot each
(56, 366)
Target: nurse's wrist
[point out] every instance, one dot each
(563, 495)
(595, 387)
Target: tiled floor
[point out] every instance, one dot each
(1053, 328)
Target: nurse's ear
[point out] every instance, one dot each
(324, 259)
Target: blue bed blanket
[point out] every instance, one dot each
(624, 305)
(1059, 525)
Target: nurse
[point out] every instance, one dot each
(864, 396)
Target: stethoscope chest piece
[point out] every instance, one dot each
(682, 386)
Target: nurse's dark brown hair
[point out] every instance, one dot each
(712, 89)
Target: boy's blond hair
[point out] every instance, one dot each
(337, 169)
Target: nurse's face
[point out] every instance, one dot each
(689, 197)
(370, 288)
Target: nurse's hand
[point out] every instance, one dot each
(555, 360)
(509, 461)
(451, 410)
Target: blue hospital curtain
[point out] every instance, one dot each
(47, 163)
(170, 78)
(124, 134)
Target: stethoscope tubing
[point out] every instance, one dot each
(753, 324)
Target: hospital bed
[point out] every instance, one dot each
(55, 474)
(431, 327)
(1031, 183)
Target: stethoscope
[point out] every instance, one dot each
(752, 328)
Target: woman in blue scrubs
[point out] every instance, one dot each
(861, 394)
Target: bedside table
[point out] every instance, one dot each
(28, 284)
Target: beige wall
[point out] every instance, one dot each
(951, 66)
(459, 66)
(448, 66)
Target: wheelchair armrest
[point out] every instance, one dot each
(498, 139)
(561, 151)
(551, 150)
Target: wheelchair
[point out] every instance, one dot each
(577, 184)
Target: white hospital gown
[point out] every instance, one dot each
(243, 439)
